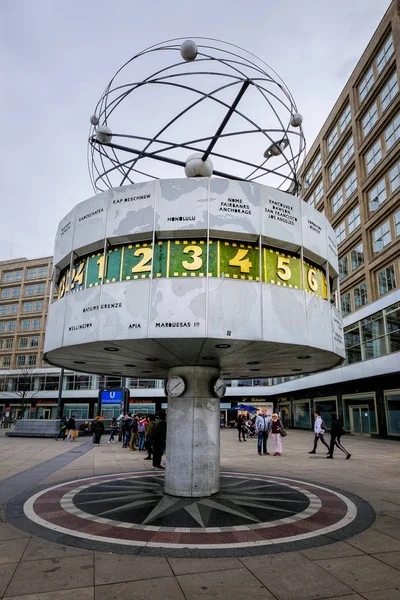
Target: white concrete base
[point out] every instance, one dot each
(193, 435)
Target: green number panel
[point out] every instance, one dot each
(193, 258)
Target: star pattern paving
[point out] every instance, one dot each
(239, 502)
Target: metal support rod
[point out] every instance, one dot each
(59, 401)
(226, 119)
(172, 161)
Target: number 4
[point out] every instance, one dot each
(240, 260)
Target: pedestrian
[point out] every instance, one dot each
(134, 433)
(62, 429)
(319, 430)
(336, 432)
(125, 428)
(113, 430)
(262, 430)
(240, 427)
(141, 433)
(275, 428)
(148, 436)
(98, 430)
(159, 437)
(71, 426)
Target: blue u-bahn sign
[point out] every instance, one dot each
(111, 396)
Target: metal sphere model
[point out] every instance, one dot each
(197, 278)
(203, 96)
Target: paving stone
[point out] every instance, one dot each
(164, 588)
(39, 548)
(117, 568)
(291, 576)
(36, 576)
(6, 573)
(383, 595)
(9, 532)
(184, 566)
(232, 584)
(12, 550)
(388, 525)
(389, 558)
(362, 573)
(86, 593)
(372, 541)
(335, 550)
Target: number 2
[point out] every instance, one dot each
(143, 264)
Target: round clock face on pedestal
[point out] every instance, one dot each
(175, 386)
(220, 387)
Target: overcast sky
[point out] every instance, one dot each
(56, 56)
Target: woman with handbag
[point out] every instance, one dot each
(275, 428)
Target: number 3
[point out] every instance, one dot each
(283, 265)
(196, 260)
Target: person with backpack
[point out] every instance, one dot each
(336, 432)
(319, 430)
(71, 426)
(134, 433)
(62, 429)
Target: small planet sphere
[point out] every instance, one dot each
(196, 167)
(103, 134)
(188, 50)
(296, 120)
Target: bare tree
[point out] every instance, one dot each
(18, 387)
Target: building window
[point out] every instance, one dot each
(32, 360)
(381, 236)
(386, 280)
(319, 192)
(37, 273)
(37, 306)
(34, 342)
(33, 306)
(333, 138)
(353, 219)
(10, 293)
(36, 323)
(23, 342)
(25, 324)
(9, 343)
(397, 223)
(335, 169)
(27, 307)
(360, 295)
(357, 257)
(317, 164)
(12, 276)
(393, 327)
(377, 195)
(394, 177)
(348, 150)
(352, 341)
(392, 133)
(373, 156)
(389, 91)
(350, 185)
(366, 83)
(344, 118)
(384, 54)
(340, 232)
(6, 361)
(345, 304)
(337, 201)
(343, 267)
(21, 360)
(369, 119)
(35, 290)
(7, 326)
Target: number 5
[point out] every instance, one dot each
(283, 265)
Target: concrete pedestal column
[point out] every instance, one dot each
(193, 435)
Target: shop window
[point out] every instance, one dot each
(359, 413)
(302, 413)
(393, 329)
(392, 407)
(373, 336)
(352, 340)
(325, 408)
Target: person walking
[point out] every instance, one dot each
(71, 426)
(141, 433)
(125, 428)
(62, 429)
(336, 432)
(240, 427)
(113, 430)
(159, 437)
(148, 436)
(98, 430)
(319, 430)
(275, 427)
(134, 433)
(262, 429)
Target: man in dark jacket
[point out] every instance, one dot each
(62, 429)
(98, 430)
(336, 432)
(158, 438)
(134, 433)
(71, 426)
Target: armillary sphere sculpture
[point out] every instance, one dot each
(193, 279)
